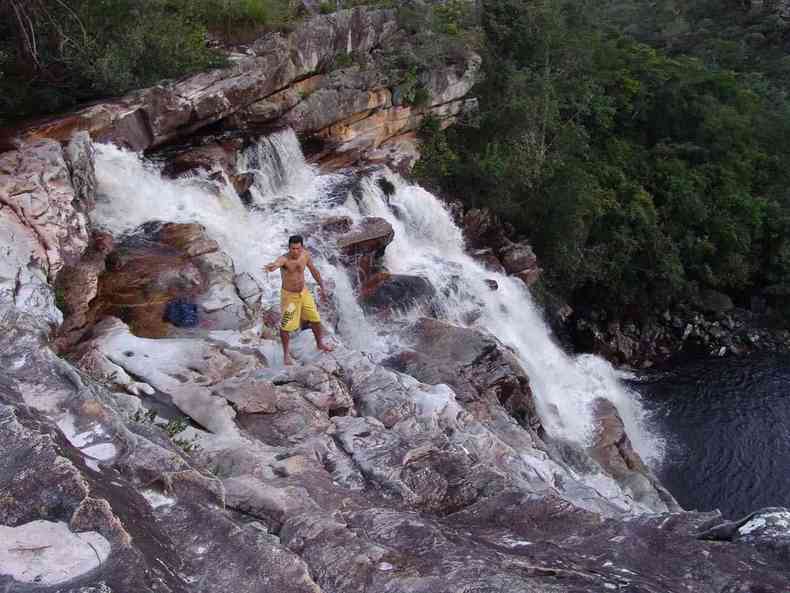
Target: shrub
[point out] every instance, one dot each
(55, 53)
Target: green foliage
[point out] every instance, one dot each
(638, 176)
(144, 416)
(55, 53)
(60, 299)
(342, 60)
(453, 16)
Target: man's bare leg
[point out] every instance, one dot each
(319, 342)
(285, 338)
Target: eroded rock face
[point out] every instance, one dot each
(339, 475)
(290, 79)
(42, 224)
(431, 474)
(117, 534)
(476, 366)
(487, 237)
(613, 450)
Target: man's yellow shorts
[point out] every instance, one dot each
(296, 306)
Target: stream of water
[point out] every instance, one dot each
(291, 197)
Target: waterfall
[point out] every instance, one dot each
(291, 197)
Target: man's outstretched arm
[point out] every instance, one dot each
(275, 265)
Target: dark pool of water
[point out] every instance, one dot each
(726, 423)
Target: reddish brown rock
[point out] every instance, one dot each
(487, 258)
(482, 229)
(518, 257)
(242, 182)
(76, 286)
(612, 449)
(189, 238)
(337, 225)
(209, 158)
(371, 237)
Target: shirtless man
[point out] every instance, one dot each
(296, 302)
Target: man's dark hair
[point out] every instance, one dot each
(295, 240)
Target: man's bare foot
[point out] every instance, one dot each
(288, 361)
(324, 347)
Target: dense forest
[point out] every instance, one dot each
(644, 163)
(642, 147)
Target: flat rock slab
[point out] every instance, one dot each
(48, 553)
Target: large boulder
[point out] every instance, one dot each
(371, 237)
(162, 263)
(363, 247)
(387, 293)
(475, 365)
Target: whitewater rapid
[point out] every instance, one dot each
(289, 197)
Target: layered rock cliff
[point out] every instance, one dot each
(152, 457)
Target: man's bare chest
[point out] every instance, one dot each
(295, 266)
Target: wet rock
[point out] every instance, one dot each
(371, 237)
(79, 155)
(339, 225)
(208, 158)
(488, 259)
(613, 450)
(476, 366)
(386, 293)
(363, 247)
(242, 182)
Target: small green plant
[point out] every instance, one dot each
(143, 415)
(60, 300)
(421, 97)
(453, 17)
(176, 425)
(342, 60)
(187, 445)
(327, 7)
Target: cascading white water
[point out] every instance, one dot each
(290, 197)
